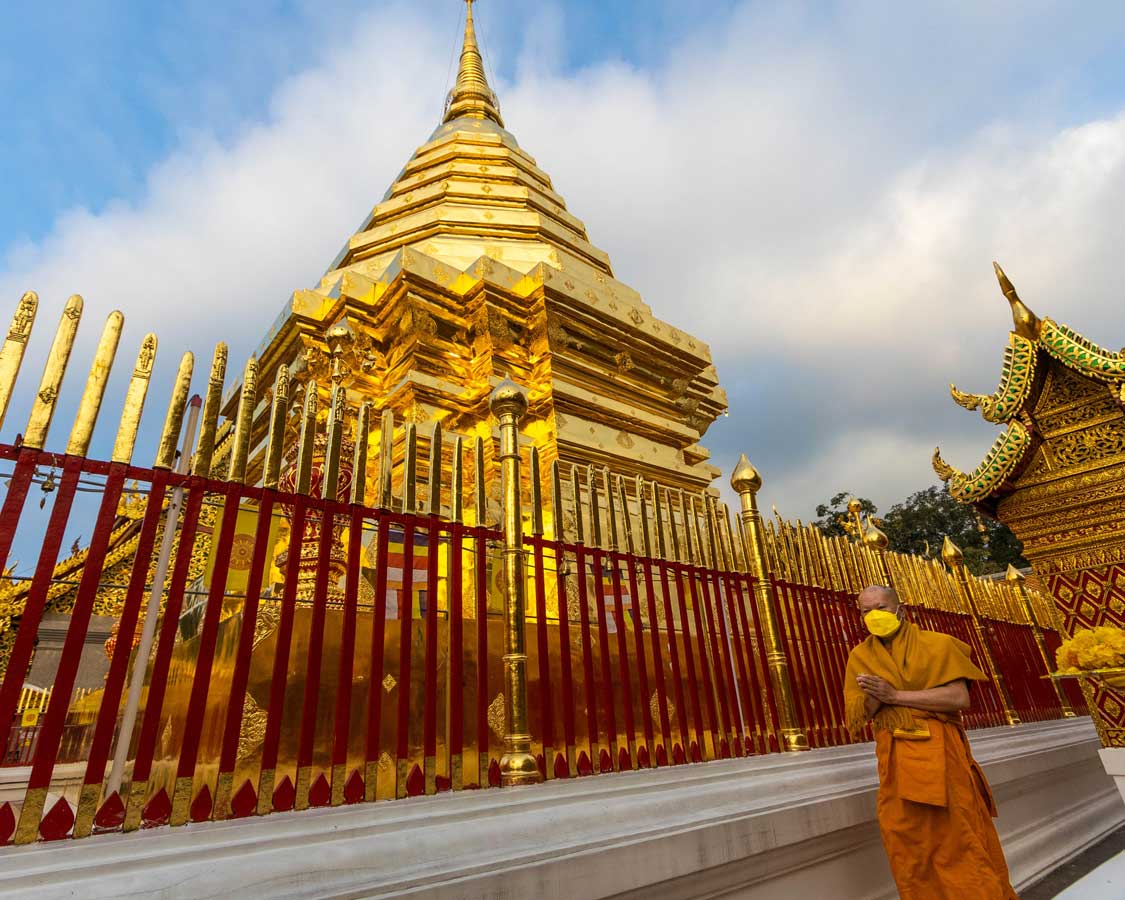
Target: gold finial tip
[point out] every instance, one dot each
(1013, 574)
(1026, 322)
(745, 478)
(855, 506)
(508, 397)
(950, 553)
(874, 537)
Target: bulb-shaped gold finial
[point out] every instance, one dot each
(874, 538)
(951, 554)
(745, 478)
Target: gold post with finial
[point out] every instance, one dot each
(517, 766)
(1014, 577)
(746, 481)
(952, 556)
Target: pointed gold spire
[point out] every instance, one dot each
(1026, 322)
(471, 96)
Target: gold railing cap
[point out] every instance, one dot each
(508, 397)
(873, 537)
(1013, 574)
(745, 478)
(951, 554)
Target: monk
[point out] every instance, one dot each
(934, 806)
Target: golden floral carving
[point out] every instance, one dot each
(497, 716)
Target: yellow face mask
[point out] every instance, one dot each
(882, 623)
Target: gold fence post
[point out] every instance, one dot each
(517, 765)
(953, 557)
(746, 481)
(1017, 580)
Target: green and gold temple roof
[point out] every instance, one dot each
(1055, 385)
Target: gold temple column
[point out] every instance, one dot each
(517, 765)
(746, 481)
(1017, 579)
(953, 557)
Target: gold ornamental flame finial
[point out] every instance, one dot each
(745, 478)
(1026, 322)
(471, 96)
(1013, 574)
(874, 538)
(951, 554)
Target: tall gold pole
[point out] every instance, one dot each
(953, 557)
(11, 353)
(746, 481)
(46, 398)
(517, 765)
(1017, 580)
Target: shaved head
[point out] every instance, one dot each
(878, 596)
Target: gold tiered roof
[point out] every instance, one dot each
(472, 268)
(1060, 399)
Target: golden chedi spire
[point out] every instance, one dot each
(471, 96)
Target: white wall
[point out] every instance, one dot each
(781, 826)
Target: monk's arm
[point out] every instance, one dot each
(871, 705)
(946, 698)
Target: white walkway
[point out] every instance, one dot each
(1106, 882)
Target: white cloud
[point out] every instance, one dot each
(805, 199)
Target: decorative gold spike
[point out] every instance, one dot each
(279, 413)
(626, 519)
(433, 501)
(331, 482)
(658, 509)
(1026, 322)
(11, 354)
(205, 448)
(610, 512)
(642, 508)
(135, 401)
(480, 497)
(386, 458)
(457, 482)
(47, 397)
(359, 458)
(92, 394)
(536, 485)
(471, 96)
(595, 508)
(174, 419)
(307, 441)
(673, 529)
(576, 496)
(689, 543)
(243, 422)
(410, 471)
(557, 522)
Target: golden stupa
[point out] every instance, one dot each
(471, 269)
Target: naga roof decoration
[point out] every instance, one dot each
(1012, 403)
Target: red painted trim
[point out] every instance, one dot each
(705, 667)
(127, 626)
(208, 634)
(725, 679)
(14, 500)
(430, 685)
(596, 558)
(284, 633)
(630, 562)
(754, 679)
(689, 654)
(158, 682)
(347, 642)
(657, 653)
(50, 732)
(456, 699)
(405, 647)
(481, 544)
(310, 701)
(228, 757)
(566, 673)
(674, 655)
(378, 641)
(36, 602)
(589, 683)
(737, 648)
(546, 707)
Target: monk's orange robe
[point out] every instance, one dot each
(935, 808)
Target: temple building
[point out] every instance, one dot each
(1056, 474)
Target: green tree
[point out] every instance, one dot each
(920, 524)
(833, 517)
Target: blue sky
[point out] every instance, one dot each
(816, 189)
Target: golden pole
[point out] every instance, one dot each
(746, 481)
(11, 353)
(953, 557)
(1017, 580)
(517, 766)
